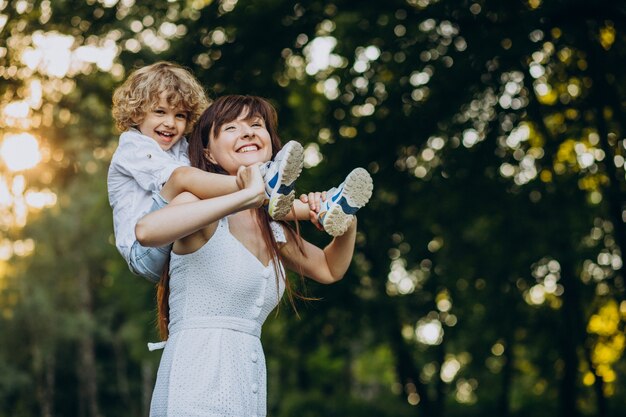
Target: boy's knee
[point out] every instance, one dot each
(185, 197)
(175, 184)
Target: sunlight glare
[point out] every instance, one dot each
(20, 151)
(51, 55)
(312, 155)
(6, 198)
(101, 56)
(35, 97)
(40, 199)
(449, 369)
(3, 21)
(318, 54)
(429, 332)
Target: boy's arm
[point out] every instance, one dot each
(200, 183)
(307, 207)
(166, 225)
(154, 170)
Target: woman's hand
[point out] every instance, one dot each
(251, 179)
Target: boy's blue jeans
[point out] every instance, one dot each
(149, 262)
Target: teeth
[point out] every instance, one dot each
(166, 134)
(249, 148)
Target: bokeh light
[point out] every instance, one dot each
(20, 151)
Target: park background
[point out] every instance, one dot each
(488, 278)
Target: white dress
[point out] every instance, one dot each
(213, 363)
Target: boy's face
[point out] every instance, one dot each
(164, 123)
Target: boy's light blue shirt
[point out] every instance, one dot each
(138, 169)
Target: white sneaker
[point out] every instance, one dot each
(337, 211)
(280, 176)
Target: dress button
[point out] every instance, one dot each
(254, 357)
(260, 301)
(266, 273)
(255, 388)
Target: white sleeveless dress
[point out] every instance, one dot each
(213, 363)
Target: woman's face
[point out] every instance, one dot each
(243, 141)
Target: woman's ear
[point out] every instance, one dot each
(209, 157)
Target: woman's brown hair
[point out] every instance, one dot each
(224, 110)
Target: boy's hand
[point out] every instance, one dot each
(314, 200)
(315, 203)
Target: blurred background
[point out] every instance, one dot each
(489, 274)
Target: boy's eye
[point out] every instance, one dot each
(181, 116)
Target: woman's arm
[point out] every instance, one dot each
(184, 216)
(326, 265)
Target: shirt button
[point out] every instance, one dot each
(254, 357)
(255, 388)
(260, 301)
(149, 156)
(266, 273)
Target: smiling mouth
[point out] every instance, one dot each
(165, 135)
(248, 148)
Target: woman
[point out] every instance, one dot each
(226, 269)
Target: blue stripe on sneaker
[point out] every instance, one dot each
(336, 196)
(273, 181)
(347, 208)
(285, 189)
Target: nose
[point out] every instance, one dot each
(247, 131)
(169, 121)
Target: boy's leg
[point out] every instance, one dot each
(200, 183)
(337, 211)
(280, 176)
(149, 262)
(301, 211)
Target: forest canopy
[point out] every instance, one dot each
(488, 277)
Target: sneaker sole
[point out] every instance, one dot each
(357, 191)
(290, 168)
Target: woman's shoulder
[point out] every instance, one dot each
(195, 241)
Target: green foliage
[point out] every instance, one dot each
(495, 135)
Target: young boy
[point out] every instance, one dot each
(154, 108)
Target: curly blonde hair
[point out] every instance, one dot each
(143, 88)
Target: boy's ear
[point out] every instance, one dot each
(207, 155)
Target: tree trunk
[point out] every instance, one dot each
(45, 388)
(87, 376)
(503, 408)
(613, 194)
(569, 343)
(122, 377)
(407, 371)
(147, 386)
